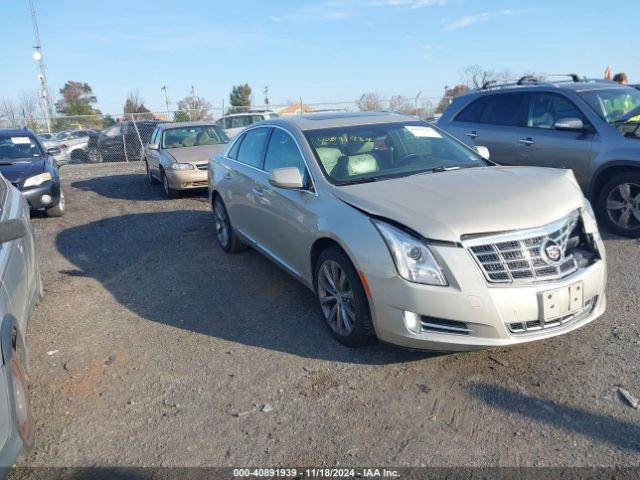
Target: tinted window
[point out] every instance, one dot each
(252, 147)
(283, 152)
(545, 109)
(500, 109)
(227, 122)
(241, 121)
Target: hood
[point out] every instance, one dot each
(199, 154)
(445, 206)
(20, 170)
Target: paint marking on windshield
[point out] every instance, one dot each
(424, 132)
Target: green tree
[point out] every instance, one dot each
(77, 99)
(180, 116)
(240, 98)
(108, 121)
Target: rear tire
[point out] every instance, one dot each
(618, 204)
(94, 155)
(227, 239)
(342, 299)
(59, 209)
(22, 402)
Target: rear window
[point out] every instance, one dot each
(502, 109)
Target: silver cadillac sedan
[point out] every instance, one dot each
(408, 235)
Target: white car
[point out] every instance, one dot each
(72, 144)
(233, 123)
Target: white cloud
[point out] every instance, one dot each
(468, 20)
(407, 3)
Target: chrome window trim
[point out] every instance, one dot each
(312, 190)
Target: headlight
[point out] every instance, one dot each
(181, 166)
(37, 180)
(412, 257)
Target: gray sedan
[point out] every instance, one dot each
(20, 288)
(408, 235)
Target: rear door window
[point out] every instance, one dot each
(252, 147)
(499, 109)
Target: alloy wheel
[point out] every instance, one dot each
(336, 298)
(221, 223)
(623, 205)
(94, 155)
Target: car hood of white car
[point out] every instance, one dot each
(447, 205)
(197, 154)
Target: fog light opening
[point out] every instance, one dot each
(46, 199)
(412, 322)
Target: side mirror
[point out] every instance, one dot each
(53, 151)
(287, 177)
(569, 123)
(153, 146)
(12, 230)
(483, 152)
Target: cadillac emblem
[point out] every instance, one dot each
(551, 251)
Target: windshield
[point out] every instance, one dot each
(613, 105)
(193, 136)
(61, 135)
(375, 152)
(18, 147)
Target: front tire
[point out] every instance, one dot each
(342, 299)
(166, 187)
(152, 180)
(618, 204)
(227, 239)
(59, 209)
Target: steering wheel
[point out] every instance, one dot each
(406, 158)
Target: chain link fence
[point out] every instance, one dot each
(121, 138)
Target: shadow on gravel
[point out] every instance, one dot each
(132, 186)
(604, 428)
(167, 267)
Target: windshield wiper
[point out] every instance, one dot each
(355, 181)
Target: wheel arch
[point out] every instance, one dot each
(605, 172)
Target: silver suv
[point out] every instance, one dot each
(406, 234)
(589, 126)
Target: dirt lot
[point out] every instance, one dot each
(153, 347)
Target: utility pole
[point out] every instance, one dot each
(42, 76)
(167, 100)
(267, 99)
(194, 100)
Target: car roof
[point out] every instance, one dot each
(314, 121)
(251, 112)
(15, 131)
(580, 86)
(198, 123)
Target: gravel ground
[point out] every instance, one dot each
(154, 348)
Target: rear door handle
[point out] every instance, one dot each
(258, 191)
(527, 141)
(472, 135)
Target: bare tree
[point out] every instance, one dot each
(370, 101)
(475, 76)
(30, 109)
(449, 93)
(9, 113)
(402, 104)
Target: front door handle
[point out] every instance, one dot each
(227, 176)
(472, 135)
(527, 141)
(258, 192)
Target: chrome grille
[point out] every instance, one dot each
(516, 257)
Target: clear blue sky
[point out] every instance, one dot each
(321, 50)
